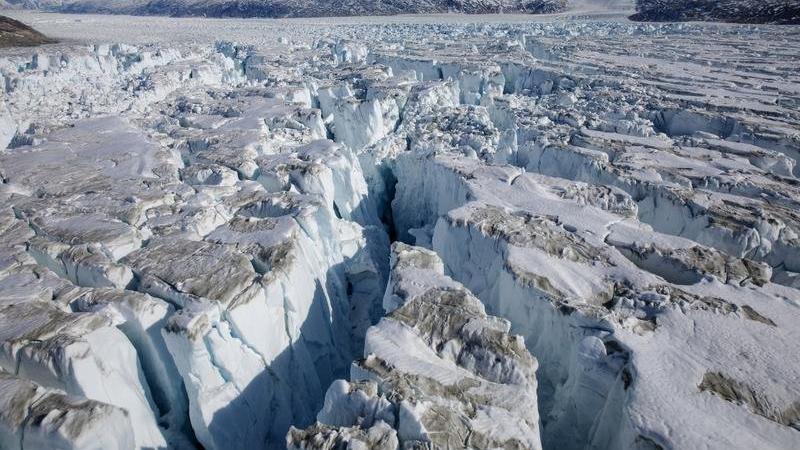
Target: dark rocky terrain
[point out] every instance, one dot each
(783, 12)
(292, 8)
(14, 33)
(446, 232)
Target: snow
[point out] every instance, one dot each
(37, 417)
(80, 354)
(517, 231)
(428, 361)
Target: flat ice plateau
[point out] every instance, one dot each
(505, 232)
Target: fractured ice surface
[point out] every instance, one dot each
(436, 371)
(37, 417)
(597, 225)
(81, 354)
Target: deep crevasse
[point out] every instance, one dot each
(260, 284)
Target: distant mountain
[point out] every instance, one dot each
(290, 8)
(14, 33)
(738, 11)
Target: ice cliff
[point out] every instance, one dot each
(436, 371)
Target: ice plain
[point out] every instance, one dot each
(564, 232)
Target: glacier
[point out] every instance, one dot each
(571, 232)
(436, 371)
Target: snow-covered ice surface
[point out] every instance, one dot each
(436, 371)
(206, 232)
